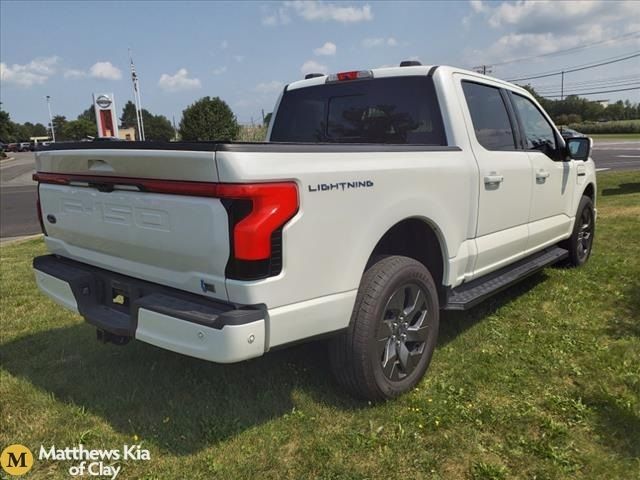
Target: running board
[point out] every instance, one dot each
(470, 294)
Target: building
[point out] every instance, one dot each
(128, 134)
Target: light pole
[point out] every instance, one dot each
(53, 132)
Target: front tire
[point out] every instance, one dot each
(581, 241)
(393, 331)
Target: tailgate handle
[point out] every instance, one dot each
(100, 166)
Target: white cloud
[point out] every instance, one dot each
(317, 10)
(105, 70)
(278, 17)
(73, 73)
(311, 66)
(224, 45)
(238, 58)
(36, 72)
(545, 26)
(328, 48)
(179, 81)
(518, 45)
(477, 5)
(326, 11)
(269, 87)
(528, 11)
(220, 70)
(379, 42)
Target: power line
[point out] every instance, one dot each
(623, 78)
(626, 36)
(574, 88)
(594, 93)
(576, 69)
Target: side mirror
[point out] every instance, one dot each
(579, 148)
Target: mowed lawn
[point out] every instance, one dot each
(542, 381)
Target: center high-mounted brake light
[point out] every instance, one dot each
(272, 204)
(354, 75)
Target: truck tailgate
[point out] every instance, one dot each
(176, 240)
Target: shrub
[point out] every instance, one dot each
(616, 126)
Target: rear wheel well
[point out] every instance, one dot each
(414, 238)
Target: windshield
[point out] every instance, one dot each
(398, 110)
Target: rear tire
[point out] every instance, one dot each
(581, 241)
(393, 331)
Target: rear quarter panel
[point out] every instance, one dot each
(328, 243)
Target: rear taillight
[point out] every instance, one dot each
(257, 212)
(273, 205)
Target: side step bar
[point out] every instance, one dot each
(470, 294)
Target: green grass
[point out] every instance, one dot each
(604, 137)
(542, 381)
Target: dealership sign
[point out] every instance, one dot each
(106, 118)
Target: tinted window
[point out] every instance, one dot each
(489, 116)
(537, 131)
(401, 110)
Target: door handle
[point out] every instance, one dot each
(542, 174)
(493, 179)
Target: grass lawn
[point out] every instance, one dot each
(611, 137)
(540, 382)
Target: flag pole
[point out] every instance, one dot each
(136, 98)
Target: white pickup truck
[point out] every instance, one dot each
(380, 198)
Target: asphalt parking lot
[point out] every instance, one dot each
(18, 191)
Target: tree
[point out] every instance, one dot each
(128, 118)
(156, 127)
(78, 129)
(89, 114)
(208, 119)
(267, 119)
(59, 122)
(6, 127)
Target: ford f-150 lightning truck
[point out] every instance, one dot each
(380, 198)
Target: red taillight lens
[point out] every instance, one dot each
(347, 75)
(273, 204)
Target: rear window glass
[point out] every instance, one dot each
(489, 116)
(400, 110)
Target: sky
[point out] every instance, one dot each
(245, 52)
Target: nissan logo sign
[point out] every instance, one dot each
(103, 101)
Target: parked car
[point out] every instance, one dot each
(381, 198)
(567, 132)
(25, 147)
(12, 147)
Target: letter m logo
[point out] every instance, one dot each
(17, 460)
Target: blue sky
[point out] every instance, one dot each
(244, 52)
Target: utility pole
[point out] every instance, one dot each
(137, 99)
(483, 69)
(53, 132)
(562, 86)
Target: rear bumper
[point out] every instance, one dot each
(168, 318)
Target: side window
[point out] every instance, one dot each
(489, 116)
(537, 131)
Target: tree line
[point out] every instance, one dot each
(209, 118)
(575, 109)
